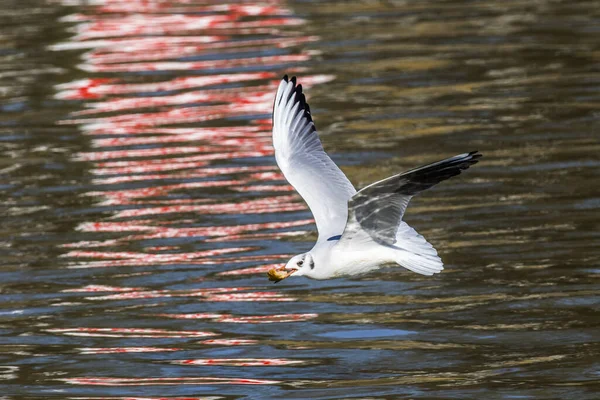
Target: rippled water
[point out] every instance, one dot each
(142, 204)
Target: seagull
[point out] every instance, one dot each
(358, 231)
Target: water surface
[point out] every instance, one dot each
(143, 206)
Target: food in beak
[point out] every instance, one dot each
(279, 274)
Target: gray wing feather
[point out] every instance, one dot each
(378, 208)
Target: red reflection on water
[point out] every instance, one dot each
(192, 133)
(266, 62)
(139, 20)
(130, 332)
(240, 362)
(147, 398)
(224, 136)
(100, 288)
(162, 248)
(253, 296)
(202, 173)
(247, 319)
(159, 232)
(182, 46)
(101, 87)
(176, 115)
(218, 294)
(144, 166)
(123, 196)
(150, 294)
(264, 188)
(118, 350)
(153, 258)
(206, 261)
(95, 156)
(274, 204)
(111, 6)
(237, 95)
(146, 25)
(257, 236)
(105, 381)
(163, 151)
(229, 342)
(135, 167)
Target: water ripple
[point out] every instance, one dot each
(144, 206)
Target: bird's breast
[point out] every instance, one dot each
(356, 261)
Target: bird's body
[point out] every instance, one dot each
(336, 260)
(358, 231)
(363, 254)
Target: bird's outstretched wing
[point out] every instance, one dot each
(378, 208)
(305, 164)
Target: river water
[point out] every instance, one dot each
(141, 203)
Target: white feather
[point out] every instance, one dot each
(305, 164)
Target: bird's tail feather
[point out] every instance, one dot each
(424, 265)
(415, 253)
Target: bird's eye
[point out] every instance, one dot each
(300, 263)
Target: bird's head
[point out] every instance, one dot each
(302, 263)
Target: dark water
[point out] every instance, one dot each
(142, 204)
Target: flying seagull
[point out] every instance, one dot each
(358, 231)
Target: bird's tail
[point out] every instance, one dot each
(415, 253)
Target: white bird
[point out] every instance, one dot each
(358, 231)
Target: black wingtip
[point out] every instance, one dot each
(422, 178)
(465, 162)
(474, 157)
(300, 98)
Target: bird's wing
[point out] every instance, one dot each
(305, 164)
(378, 208)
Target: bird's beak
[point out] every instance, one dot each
(279, 274)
